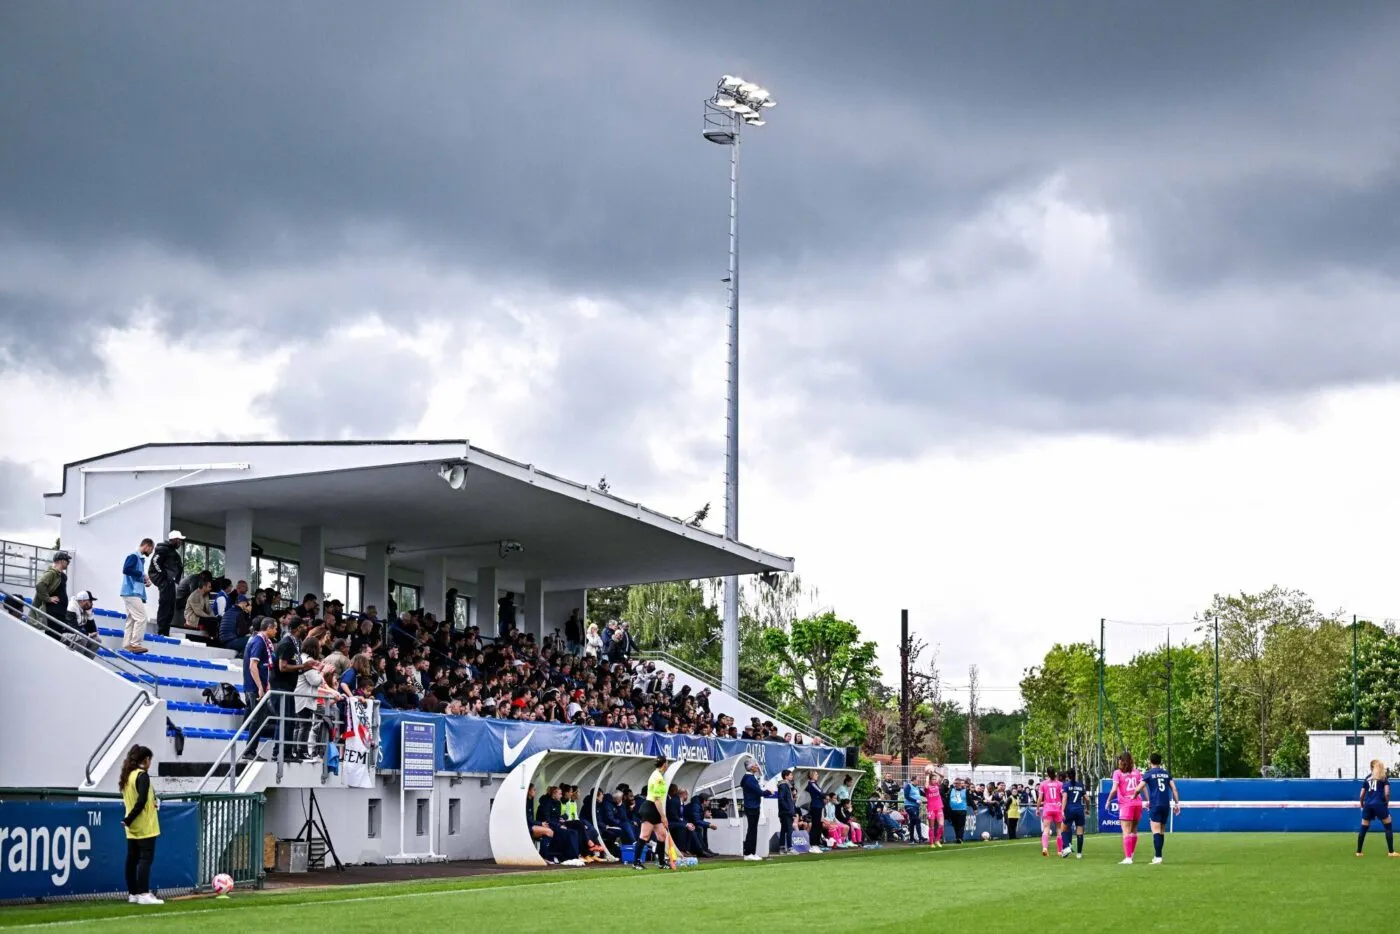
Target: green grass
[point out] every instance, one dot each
(1227, 882)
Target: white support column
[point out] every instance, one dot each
(377, 577)
(238, 545)
(486, 601)
(534, 609)
(312, 571)
(435, 586)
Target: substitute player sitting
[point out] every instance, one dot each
(1375, 805)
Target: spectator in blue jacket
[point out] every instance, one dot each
(957, 807)
(816, 800)
(235, 623)
(134, 596)
(787, 810)
(698, 816)
(753, 801)
(912, 800)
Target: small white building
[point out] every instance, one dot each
(1332, 756)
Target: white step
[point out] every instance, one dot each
(179, 648)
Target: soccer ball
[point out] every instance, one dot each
(986, 836)
(222, 884)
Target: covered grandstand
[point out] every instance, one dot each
(440, 525)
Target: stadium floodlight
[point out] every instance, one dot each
(734, 104)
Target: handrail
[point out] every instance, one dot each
(53, 626)
(144, 700)
(283, 724)
(753, 702)
(231, 748)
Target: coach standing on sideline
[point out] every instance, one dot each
(753, 801)
(167, 567)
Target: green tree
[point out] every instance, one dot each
(605, 604)
(821, 669)
(674, 617)
(1279, 656)
(1377, 679)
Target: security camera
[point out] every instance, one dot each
(454, 475)
(509, 547)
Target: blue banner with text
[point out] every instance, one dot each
(476, 744)
(54, 848)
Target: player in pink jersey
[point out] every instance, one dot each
(934, 796)
(1128, 785)
(1052, 811)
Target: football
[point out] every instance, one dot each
(986, 836)
(222, 884)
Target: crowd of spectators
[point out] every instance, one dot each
(414, 661)
(901, 811)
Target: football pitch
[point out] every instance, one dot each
(1210, 882)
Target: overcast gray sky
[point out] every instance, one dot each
(969, 229)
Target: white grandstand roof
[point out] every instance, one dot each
(360, 492)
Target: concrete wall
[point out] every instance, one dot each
(557, 607)
(101, 544)
(58, 707)
(1329, 756)
(346, 812)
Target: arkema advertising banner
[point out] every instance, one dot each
(1278, 805)
(476, 744)
(53, 848)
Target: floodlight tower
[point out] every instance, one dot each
(735, 103)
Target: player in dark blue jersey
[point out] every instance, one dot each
(1075, 794)
(1375, 805)
(1161, 798)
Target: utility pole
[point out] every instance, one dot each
(906, 716)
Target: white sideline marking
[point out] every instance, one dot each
(271, 901)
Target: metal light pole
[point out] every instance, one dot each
(1355, 711)
(1217, 697)
(735, 102)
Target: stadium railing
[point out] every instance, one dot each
(665, 658)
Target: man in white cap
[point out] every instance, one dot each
(166, 570)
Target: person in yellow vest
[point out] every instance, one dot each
(142, 825)
(652, 813)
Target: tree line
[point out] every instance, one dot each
(807, 663)
(1285, 668)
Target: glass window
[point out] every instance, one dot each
(201, 557)
(346, 587)
(406, 597)
(280, 575)
(461, 613)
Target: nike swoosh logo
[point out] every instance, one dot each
(511, 753)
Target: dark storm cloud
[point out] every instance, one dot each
(247, 157)
(356, 389)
